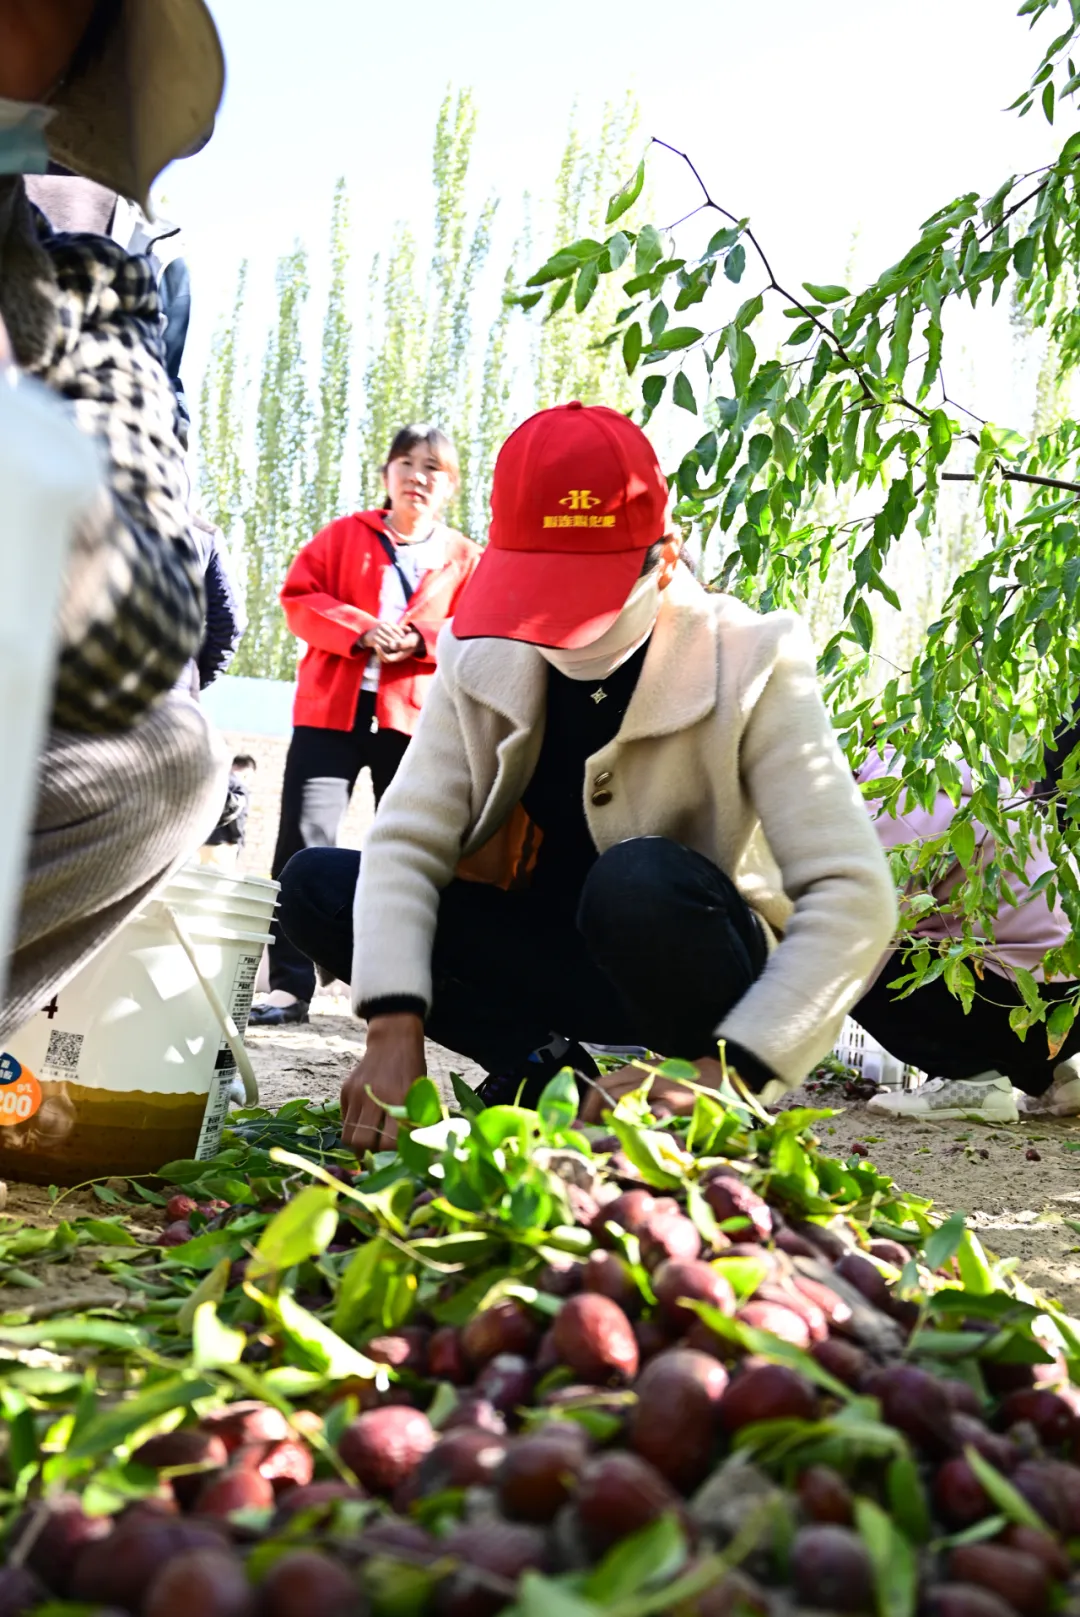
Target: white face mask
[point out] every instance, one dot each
(631, 629)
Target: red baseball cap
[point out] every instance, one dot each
(577, 499)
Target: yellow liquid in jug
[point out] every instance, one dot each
(81, 1133)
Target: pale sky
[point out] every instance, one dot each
(819, 120)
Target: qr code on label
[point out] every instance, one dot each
(64, 1051)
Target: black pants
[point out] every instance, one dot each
(661, 948)
(929, 1030)
(321, 769)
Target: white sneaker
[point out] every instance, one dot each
(1062, 1099)
(986, 1098)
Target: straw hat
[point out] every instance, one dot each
(149, 97)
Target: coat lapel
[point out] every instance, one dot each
(679, 676)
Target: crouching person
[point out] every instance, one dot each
(130, 778)
(623, 819)
(974, 1059)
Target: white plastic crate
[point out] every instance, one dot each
(856, 1049)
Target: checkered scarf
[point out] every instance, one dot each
(84, 319)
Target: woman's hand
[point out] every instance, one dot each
(408, 645)
(392, 1062)
(391, 642)
(666, 1092)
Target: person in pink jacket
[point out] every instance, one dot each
(974, 1059)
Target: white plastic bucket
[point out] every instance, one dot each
(858, 1050)
(48, 473)
(140, 1018)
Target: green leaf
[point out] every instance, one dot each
(304, 1227)
(975, 1272)
(587, 280)
(1048, 102)
(895, 1570)
(644, 1149)
(465, 1095)
(942, 1245)
(862, 624)
(321, 1347)
(618, 249)
(649, 250)
(749, 311)
(103, 1333)
(901, 338)
(356, 1294)
(108, 1233)
(826, 294)
(683, 394)
(213, 1343)
(626, 196)
(631, 347)
(906, 1498)
(742, 352)
(558, 1105)
(556, 269)
(962, 839)
(540, 1596)
(423, 1106)
(1008, 1500)
(735, 262)
(211, 1289)
(650, 1556)
(677, 337)
(724, 238)
(112, 1426)
(652, 389)
(940, 430)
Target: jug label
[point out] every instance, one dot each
(20, 1092)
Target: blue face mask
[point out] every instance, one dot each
(23, 148)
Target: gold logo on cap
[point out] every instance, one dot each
(580, 499)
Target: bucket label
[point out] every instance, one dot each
(217, 1108)
(20, 1092)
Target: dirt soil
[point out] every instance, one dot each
(1020, 1207)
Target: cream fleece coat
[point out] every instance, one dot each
(726, 747)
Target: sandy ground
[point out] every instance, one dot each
(1019, 1207)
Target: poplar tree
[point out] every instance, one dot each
(276, 521)
(222, 410)
(332, 425)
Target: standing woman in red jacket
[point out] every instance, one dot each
(368, 595)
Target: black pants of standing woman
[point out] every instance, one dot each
(321, 769)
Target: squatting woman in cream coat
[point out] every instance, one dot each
(624, 818)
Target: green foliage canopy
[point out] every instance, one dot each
(854, 400)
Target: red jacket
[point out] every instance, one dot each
(331, 597)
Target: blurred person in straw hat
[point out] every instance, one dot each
(130, 777)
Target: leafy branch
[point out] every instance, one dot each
(841, 410)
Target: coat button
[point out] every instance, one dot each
(603, 778)
(600, 798)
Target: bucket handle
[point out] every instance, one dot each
(228, 1026)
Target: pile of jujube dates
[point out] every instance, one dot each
(573, 1429)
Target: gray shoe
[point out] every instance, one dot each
(987, 1098)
